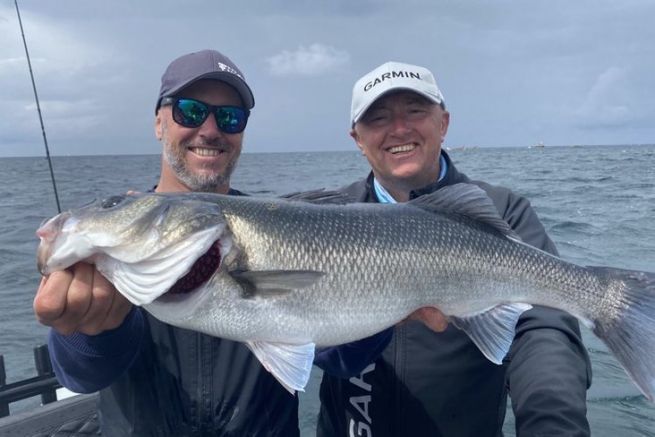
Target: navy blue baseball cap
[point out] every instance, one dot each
(205, 64)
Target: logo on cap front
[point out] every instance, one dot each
(225, 67)
(391, 75)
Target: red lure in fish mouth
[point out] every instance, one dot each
(200, 272)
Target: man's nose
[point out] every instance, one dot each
(209, 128)
(400, 123)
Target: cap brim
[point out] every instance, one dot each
(237, 83)
(393, 90)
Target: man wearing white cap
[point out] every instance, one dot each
(411, 380)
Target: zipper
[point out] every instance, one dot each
(205, 404)
(399, 357)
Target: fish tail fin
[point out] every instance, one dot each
(630, 334)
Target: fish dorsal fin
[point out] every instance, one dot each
(265, 283)
(493, 330)
(467, 200)
(290, 364)
(320, 196)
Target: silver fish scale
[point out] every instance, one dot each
(382, 262)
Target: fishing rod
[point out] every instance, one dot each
(38, 108)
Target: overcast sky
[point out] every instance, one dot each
(513, 73)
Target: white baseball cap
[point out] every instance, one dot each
(392, 76)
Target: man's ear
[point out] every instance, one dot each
(445, 122)
(158, 126)
(354, 136)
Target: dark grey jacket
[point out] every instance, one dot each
(440, 384)
(184, 383)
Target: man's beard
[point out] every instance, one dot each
(209, 182)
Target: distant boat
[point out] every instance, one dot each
(539, 145)
(461, 148)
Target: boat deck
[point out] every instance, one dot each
(73, 417)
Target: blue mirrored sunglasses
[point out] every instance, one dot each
(193, 113)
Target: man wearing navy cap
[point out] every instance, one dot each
(156, 379)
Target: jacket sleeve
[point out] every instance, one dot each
(548, 375)
(350, 359)
(549, 370)
(87, 363)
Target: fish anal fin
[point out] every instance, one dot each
(290, 364)
(493, 330)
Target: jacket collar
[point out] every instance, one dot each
(363, 190)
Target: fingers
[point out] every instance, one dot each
(120, 308)
(101, 299)
(107, 310)
(50, 300)
(431, 317)
(79, 300)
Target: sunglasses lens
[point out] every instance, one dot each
(231, 119)
(193, 113)
(190, 113)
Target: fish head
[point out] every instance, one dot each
(143, 243)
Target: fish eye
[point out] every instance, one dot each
(112, 201)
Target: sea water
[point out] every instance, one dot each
(597, 204)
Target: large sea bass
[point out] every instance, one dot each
(285, 276)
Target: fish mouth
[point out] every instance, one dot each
(201, 271)
(48, 233)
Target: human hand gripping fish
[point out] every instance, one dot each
(79, 299)
(286, 276)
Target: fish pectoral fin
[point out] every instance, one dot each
(493, 330)
(290, 364)
(264, 283)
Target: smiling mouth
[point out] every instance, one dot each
(203, 151)
(402, 148)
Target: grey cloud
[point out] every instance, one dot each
(315, 59)
(606, 104)
(513, 73)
